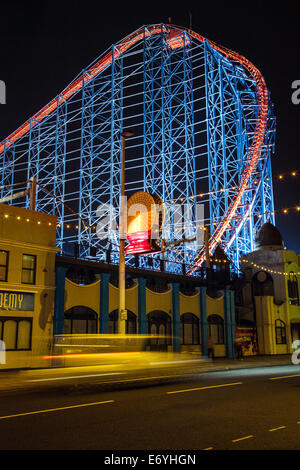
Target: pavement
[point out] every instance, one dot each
(29, 380)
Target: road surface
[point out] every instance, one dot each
(246, 409)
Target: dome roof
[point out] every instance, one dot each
(219, 253)
(268, 235)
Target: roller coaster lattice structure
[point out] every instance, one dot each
(204, 132)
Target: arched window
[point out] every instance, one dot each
(280, 332)
(159, 323)
(130, 323)
(80, 320)
(216, 328)
(293, 290)
(189, 329)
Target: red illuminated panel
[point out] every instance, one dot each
(139, 243)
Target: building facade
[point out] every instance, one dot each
(183, 310)
(43, 294)
(269, 298)
(27, 286)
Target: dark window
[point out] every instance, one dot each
(3, 265)
(189, 329)
(82, 276)
(15, 332)
(157, 285)
(28, 269)
(113, 322)
(293, 290)
(280, 332)
(130, 323)
(216, 328)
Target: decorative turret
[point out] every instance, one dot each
(268, 237)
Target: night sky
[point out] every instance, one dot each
(45, 45)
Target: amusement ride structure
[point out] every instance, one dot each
(203, 134)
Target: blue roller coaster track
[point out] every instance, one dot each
(204, 132)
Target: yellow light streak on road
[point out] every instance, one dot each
(56, 409)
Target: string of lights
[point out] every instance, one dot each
(269, 270)
(201, 195)
(68, 225)
(293, 173)
(212, 259)
(71, 226)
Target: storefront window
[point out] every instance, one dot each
(16, 333)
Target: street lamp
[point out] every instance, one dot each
(122, 314)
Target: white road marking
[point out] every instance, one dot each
(74, 377)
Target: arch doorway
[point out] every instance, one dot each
(80, 320)
(130, 324)
(216, 328)
(159, 324)
(189, 329)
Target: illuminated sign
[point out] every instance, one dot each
(141, 243)
(20, 301)
(145, 213)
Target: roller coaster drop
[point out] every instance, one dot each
(204, 131)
